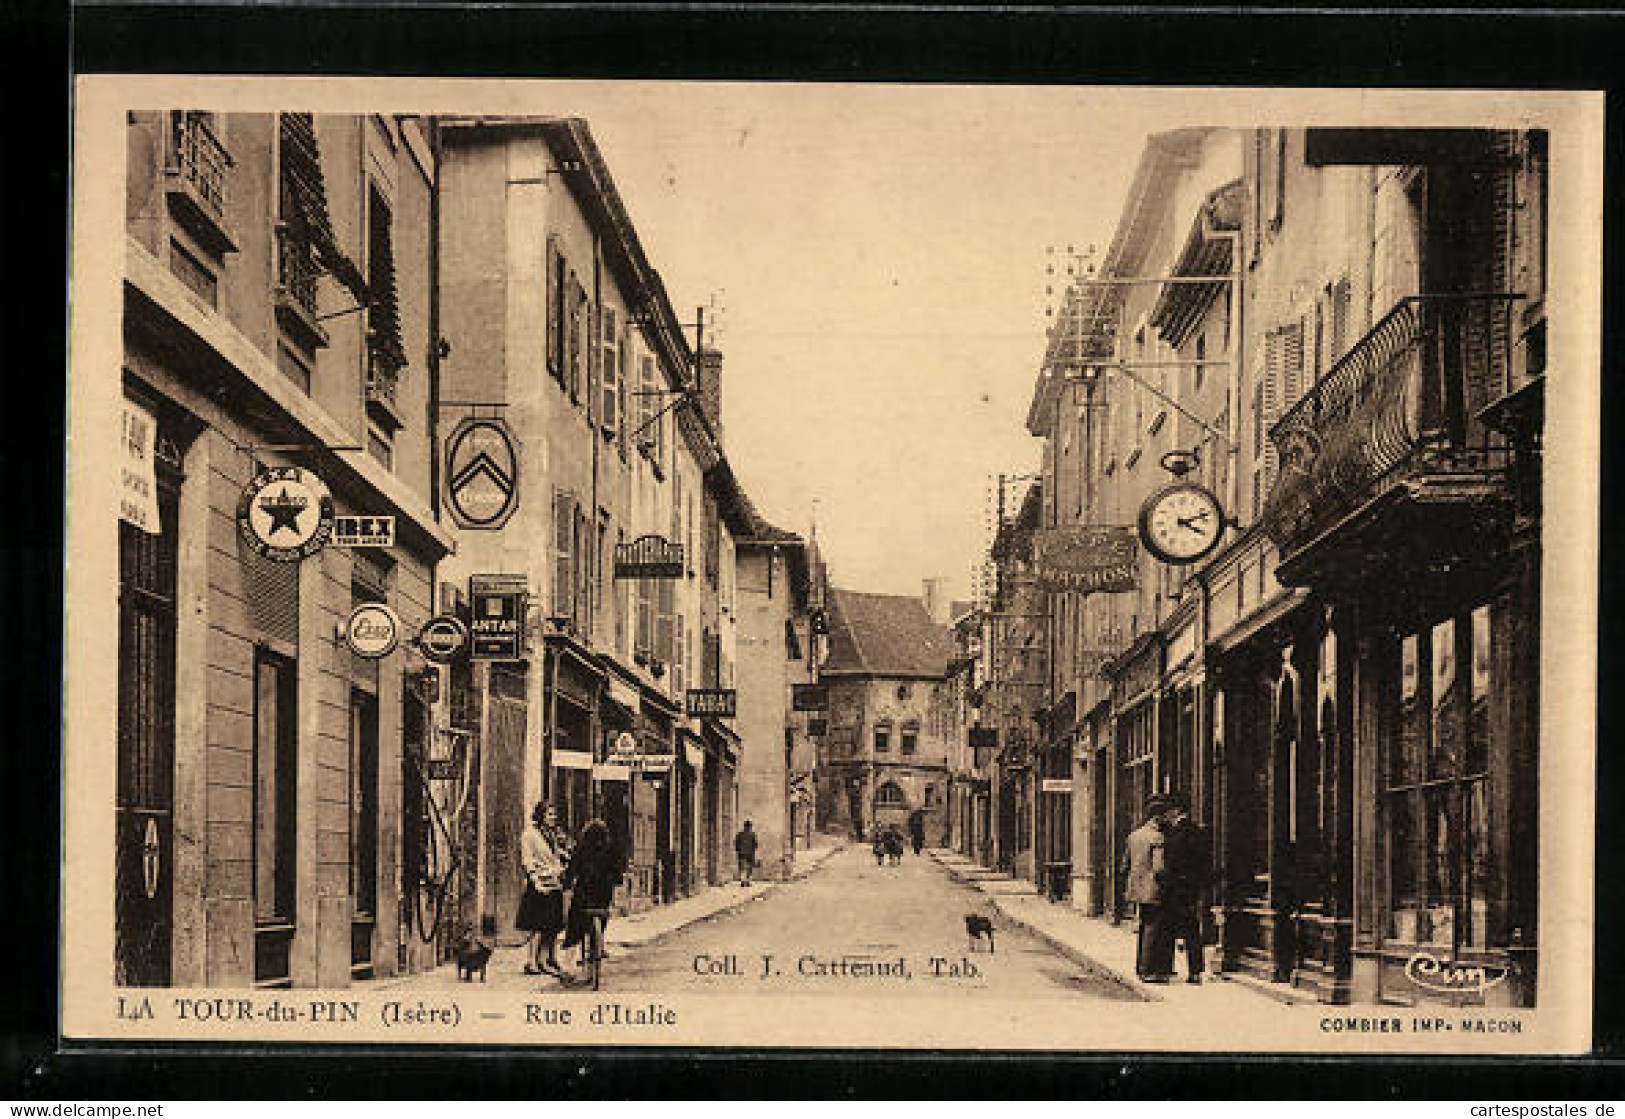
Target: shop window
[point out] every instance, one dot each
(1436, 799)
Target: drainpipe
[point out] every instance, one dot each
(1233, 351)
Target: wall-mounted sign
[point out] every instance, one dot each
(809, 697)
(285, 514)
(363, 532)
(1085, 558)
(717, 703)
(427, 682)
(496, 617)
(817, 728)
(649, 557)
(482, 473)
(373, 631)
(1056, 785)
(138, 498)
(623, 746)
(443, 639)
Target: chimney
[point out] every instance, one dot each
(710, 389)
(934, 597)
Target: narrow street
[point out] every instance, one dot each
(804, 938)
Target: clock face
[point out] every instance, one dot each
(1181, 523)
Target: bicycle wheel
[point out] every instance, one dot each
(597, 950)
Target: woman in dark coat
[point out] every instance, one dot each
(594, 870)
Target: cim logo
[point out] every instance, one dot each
(1443, 977)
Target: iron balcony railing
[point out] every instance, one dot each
(201, 159)
(1403, 401)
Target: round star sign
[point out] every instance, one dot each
(285, 514)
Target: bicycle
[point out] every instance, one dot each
(592, 944)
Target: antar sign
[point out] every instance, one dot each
(1086, 558)
(497, 614)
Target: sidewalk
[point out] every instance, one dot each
(640, 929)
(1102, 944)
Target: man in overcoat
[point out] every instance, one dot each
(1145, 872)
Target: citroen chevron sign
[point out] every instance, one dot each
(482, 473)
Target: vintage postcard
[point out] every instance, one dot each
(831, 565)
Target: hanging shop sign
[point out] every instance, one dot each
(443, 639)
(285, 514)
(138, 497)
(496, 617)
(1181, 523)
(482, 473)
(809, 697)
(649, 557)
(363, 532)
(623, 747)
(716, 703)
(372, 631)
(1085, 558)
(426, 681)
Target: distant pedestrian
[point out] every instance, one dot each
(916, 829)
(1189, 859)
(1145, 874)
(879, 845)
(745, 852)
(541, 906)
(894, 845)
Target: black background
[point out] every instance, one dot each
(1557, 48)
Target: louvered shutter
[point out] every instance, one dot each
(555, 310)
(576, 312)
(1270, 400)
(665, 596)
(624, 388)
(610, 374)
(1341, 305)
(304, 199)
(1496, 377)
(384, 314)
(563, 560)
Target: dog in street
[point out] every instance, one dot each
(976, 927)
(472, 955)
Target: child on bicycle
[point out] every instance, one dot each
(594, 870)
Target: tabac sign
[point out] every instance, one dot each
(649, 557)
(1086, 558)
(716, 703)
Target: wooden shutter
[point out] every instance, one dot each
(579, 562)
(1269, 401)
(384, 313)
(576, 311)
(609, 376)
(625, 379)
(1341, 304)
(664, 624)
(555, 309)
(563, 555)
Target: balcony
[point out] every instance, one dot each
(1394, 426)
(196, 180)
(296, 274)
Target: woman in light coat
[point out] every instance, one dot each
(541, 907)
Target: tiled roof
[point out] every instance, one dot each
(885, 635)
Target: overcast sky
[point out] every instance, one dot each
(879, 253)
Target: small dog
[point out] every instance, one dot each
(976, 927)
(472, 955)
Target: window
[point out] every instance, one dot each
(792, 641)
(882, 739)
(665, 626)
(911, 738)
(930, 796)
(386, 355)
(645, 641)
(575, 366)
(1436, 784)
(1201, 356)
(620, 593)
(890, 796)
(275, 784)
(609, 407)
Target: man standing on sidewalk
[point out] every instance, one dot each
(745, 851)
(1189, 859)
(1145, 872)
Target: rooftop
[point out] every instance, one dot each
(885, 635)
